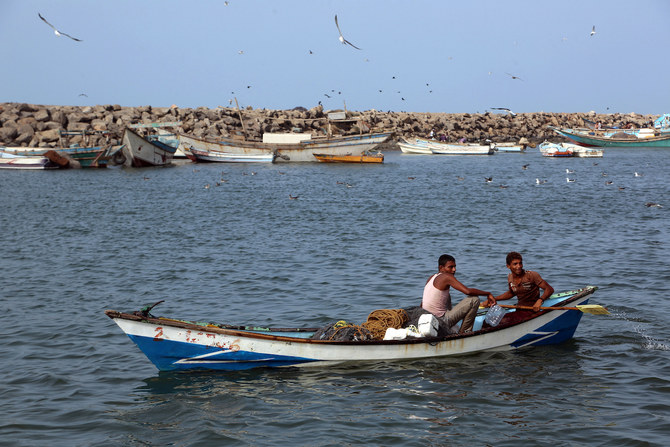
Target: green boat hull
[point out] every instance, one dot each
(595, 141)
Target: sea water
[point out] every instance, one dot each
(226, 243)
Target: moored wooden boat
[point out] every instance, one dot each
(84, 157)
(363, 158)
(177, 345)
(32, 162)
(412, 147)
(200, 156)
(421, 146)
(138, 151)
(302, 151)
(509, 147)
(615, 137)
(548, 149)
(587, 152)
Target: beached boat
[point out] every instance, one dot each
(84, 157)
(33, 162)
(658, 136)
(363, 158)
(158, 131)
(177, 345)
(548, 149)
(301, 151)
(587, 152)
(139, 152)
(199, 156)
(421, 146)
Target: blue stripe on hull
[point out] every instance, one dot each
(556, 331)
(169, 355)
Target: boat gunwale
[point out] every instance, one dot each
(254, 332)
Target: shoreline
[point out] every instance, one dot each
(32, 125)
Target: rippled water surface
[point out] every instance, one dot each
(358, 238)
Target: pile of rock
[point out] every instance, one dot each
(40, 126)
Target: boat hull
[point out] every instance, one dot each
(421, 146)
(25, 162)
(199, 156)
(591, 139)
(175, 345)
(86, 157)
(363, 158)
(289, 152)
(140, 152)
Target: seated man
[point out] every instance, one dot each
(525, 285)
(437, 300)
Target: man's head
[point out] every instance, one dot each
(515, 262)
(446, 264)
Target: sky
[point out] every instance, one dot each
(458, 56)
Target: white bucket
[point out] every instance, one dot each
(428, 325)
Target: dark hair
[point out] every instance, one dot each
(512, 255)
(444, 259)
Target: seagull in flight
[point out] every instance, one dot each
(56, 32)
(342, 39)
(593, 31)
(514, 77)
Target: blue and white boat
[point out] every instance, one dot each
(180, 345)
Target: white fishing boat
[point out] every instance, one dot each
(421, 146)
(301, 151)
(409, 147)
(138, 151)
(32, 162)
(587, 152)
(199, 156)
(509, 147)
(177, 345)
(548, 149)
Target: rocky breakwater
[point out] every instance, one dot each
(39, 125)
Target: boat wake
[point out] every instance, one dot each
(648, 342)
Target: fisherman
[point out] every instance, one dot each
(525, 285)
(437, 299)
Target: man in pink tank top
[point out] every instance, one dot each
(437, 299)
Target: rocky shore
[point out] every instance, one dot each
(40, 125)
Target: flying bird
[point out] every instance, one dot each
(56, 32)
(593, 31)
(514, 77)
(342, 39)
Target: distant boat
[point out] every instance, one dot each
(289, 147)
(85, 157)
(199, 156)
(139, 152)
(163, 135)
(421, 146)
(509, 147)
(363, 158)
(587, 152)
(32, 162)
(548, 149)
(658, 136)
(408, 147)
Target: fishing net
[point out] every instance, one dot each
(376, 325)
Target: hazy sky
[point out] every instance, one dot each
(424, 56)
